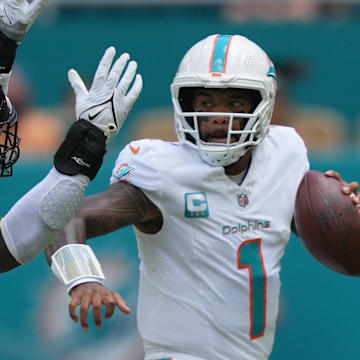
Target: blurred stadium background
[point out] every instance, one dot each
(316, 48)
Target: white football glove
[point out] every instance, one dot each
(108, 102)
(16, 17)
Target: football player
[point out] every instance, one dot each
(33, 222)
(212, 213)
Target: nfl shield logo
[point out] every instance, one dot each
(243, 199)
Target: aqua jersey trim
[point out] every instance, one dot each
(219, 56)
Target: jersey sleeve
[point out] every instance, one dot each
(302, 154)
(292, 150)
(136, 165)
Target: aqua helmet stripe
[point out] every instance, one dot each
(220, 52)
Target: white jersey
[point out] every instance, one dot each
(209, 282)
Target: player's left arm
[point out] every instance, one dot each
(351, 189)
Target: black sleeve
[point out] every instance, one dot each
(8, 49)
(293, 227)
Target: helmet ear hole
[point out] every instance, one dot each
(256, 98)
(186, 96)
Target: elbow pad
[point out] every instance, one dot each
(33, 222)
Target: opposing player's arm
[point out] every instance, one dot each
(122, 204)
(16, 18)
(7, 261)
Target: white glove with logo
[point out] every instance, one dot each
(16, 17)
(108, 102)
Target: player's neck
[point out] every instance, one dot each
(239, 166)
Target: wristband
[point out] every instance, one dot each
(82, 281)
(82, 151)
(75, 264)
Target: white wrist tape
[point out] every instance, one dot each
(75, 264)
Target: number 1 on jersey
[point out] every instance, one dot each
(249, 257)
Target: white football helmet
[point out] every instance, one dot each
(225, 61)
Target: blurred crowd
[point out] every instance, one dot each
(322, 128)
(288, 10)
(41, 130)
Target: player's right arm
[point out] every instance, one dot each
(122, 204)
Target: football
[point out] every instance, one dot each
(328, 223)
